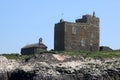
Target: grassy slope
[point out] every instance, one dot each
(17, 56)
(102, 54)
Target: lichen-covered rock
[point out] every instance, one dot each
(60, 67)
(8, 65)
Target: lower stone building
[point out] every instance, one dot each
(105, 48)
(34, 48)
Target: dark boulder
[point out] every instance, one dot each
(4, 76)
(21, 75)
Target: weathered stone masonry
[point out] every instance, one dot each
(83, 35)
(34, 48)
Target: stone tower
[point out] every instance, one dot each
(81, 35)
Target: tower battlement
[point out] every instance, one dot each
(89, 19)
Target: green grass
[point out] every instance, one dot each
(17, 56)
(102, 54)
(105, 54)
(99, 54)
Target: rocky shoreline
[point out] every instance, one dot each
(60, 67)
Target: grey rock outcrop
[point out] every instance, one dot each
(60, 67)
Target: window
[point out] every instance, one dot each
(83, 42)
(74, 30)
(92, 35)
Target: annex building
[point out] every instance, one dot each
(34, 48)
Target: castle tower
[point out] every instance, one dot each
(83, 35)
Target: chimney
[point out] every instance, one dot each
(40, 40)
(61, 20)
(93, 13)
